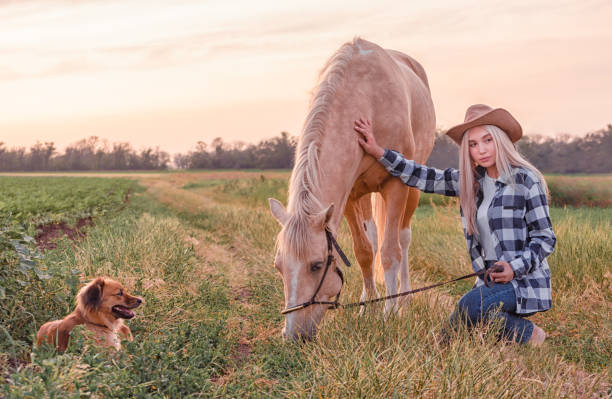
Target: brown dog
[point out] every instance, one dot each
(101, 305)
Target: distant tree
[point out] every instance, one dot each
(91, 153)
(119, 157)
(198, 159)
(15, 159)
(149, 159)
(39, 156)
(566, 154)
(181, 161)
(445, 153)
(276, 153)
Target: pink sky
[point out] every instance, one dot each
(172, 73)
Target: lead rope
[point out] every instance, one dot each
(487, 281)
(336, 304)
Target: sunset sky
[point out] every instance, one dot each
(171, 73)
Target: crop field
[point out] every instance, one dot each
(40, 200)
(199, 246)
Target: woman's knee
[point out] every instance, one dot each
(469, 306)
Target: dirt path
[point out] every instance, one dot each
(216, 255)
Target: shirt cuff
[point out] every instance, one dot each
(387, 158)
(518, 266)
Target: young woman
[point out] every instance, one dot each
(504, 212)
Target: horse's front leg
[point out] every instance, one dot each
(395, 195)
(358, 214)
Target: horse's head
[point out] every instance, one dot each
(301, 259)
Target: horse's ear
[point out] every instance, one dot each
(328, 214)
(278, 211)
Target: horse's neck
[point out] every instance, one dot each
(338, 163)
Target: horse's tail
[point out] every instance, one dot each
(379, 212)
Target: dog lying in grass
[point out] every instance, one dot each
(101, 306)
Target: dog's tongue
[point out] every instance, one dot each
(123, 311)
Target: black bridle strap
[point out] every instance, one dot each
(330, 258)
(330, 237)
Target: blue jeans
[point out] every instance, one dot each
(490, 304)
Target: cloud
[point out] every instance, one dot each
(44, 39)
(188, 53)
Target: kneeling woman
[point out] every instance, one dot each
(505, 217)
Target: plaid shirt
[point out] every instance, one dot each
(518, 218)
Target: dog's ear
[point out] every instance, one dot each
(92, 296)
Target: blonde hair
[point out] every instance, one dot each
(506, 157)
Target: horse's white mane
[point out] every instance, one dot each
(304, 190)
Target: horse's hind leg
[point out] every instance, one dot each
(405, 238)
(358, 214)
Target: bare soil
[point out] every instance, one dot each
(48, 234)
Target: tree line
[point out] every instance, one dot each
(275, 153)
(591, 153)
(88, 154)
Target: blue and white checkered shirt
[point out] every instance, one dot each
(518, 217)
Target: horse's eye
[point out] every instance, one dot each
(316, 266)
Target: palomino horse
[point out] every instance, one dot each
(332, 176)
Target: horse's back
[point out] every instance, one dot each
(409, 66)
(406, 60)
(410, 101)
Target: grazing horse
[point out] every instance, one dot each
(333, 176)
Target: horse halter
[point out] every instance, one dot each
(330, 258)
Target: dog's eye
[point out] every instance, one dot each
(120, 293)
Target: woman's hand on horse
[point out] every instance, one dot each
(504, 276)
(367, 141)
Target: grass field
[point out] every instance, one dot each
(199, 246)
(39, 200)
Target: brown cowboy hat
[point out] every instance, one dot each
(480, 114)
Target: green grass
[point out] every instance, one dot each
(438, 253)
(251, 191)
(577, 191)
(580, 264)
(41, 200)
(210, 325)
(203, 184)
(31, 285)
(580, 323)
(565, 190)
(180, 332)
